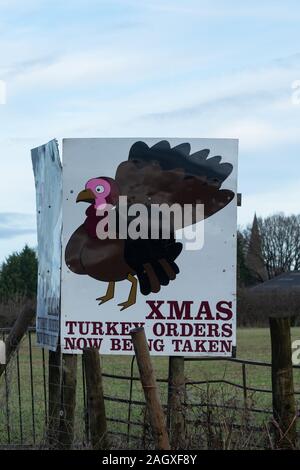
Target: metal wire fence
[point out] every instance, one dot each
(216, 409)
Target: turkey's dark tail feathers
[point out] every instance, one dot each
(157, 273)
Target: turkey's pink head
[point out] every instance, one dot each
(99, 192)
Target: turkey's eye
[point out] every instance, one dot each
(99, 189)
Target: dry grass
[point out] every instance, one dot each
(212, 425)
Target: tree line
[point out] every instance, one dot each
(18, 275)
(266, 248)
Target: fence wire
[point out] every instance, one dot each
(219, 413)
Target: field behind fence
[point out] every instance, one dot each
(227, 404)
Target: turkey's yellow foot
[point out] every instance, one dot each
(132, 294)
(109, 293)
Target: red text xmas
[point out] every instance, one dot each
(171, 321)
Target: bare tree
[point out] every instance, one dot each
(254, 258)
(280, 242)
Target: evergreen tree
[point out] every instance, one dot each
(19, 275)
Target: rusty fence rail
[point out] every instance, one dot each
(24, 399)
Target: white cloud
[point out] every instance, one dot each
(284, 198)
(168, 77)
(213, 9)
(8, 246)
(260, 134)
(96, 67)
(17, 187)
(11, 4)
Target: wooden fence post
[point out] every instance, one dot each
(176, 394)
(148, 380)
(54, 394)
(284, 407)
(95, 399)
(17, 332)
(68, 400)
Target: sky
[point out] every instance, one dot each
(151, 68)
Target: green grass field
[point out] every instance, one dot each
(253, 344)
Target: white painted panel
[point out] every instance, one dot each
(207, 275)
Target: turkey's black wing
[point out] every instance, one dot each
(153, 261)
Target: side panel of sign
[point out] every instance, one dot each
(48, 182)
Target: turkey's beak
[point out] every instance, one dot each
(86, 196)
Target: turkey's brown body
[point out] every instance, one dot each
(151, 175)
(101, 259)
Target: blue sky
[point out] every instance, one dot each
(150, 68)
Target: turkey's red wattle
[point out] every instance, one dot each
(92, 220)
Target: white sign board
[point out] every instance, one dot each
(48, 182)
(180, 287)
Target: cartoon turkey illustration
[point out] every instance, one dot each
(151, 175)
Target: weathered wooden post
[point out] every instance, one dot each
(95, 399)
(284, 407)
(176, 393)
(245, 394)
(54, 394)
(148, 380)
(17, 332)
(68, 400)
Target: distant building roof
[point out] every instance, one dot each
(285, 281)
